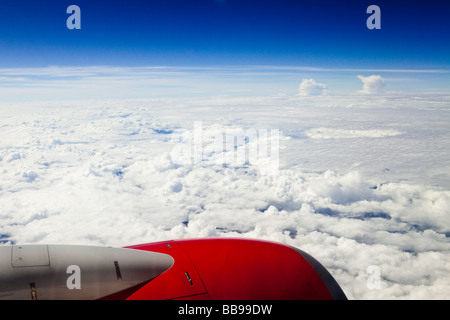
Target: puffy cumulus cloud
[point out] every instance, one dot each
(372, 84)
(309, 87)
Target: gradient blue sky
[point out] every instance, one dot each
(414, 34)
(218, 47)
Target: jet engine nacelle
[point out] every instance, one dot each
(199, 269)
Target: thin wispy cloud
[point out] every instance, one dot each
(320, 69)
(59, 82)
(63, 71)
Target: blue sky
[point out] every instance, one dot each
(219, 46)
(414, 34)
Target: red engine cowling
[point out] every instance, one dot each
(206, 269)
(236, 269)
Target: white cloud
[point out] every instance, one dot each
(102, 173)
(331, 133)
(372, 84)
(310, 87)
(95, 82)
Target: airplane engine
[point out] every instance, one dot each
(195, 269)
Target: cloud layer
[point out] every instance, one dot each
(354, 186)
(101, 82)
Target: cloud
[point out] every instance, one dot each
(330, 133)
(102, 173)
(372, 84)
(309, 87)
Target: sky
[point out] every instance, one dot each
(413, 34)
(147, 49)
(159, 48)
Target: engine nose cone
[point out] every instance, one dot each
(75, 272)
